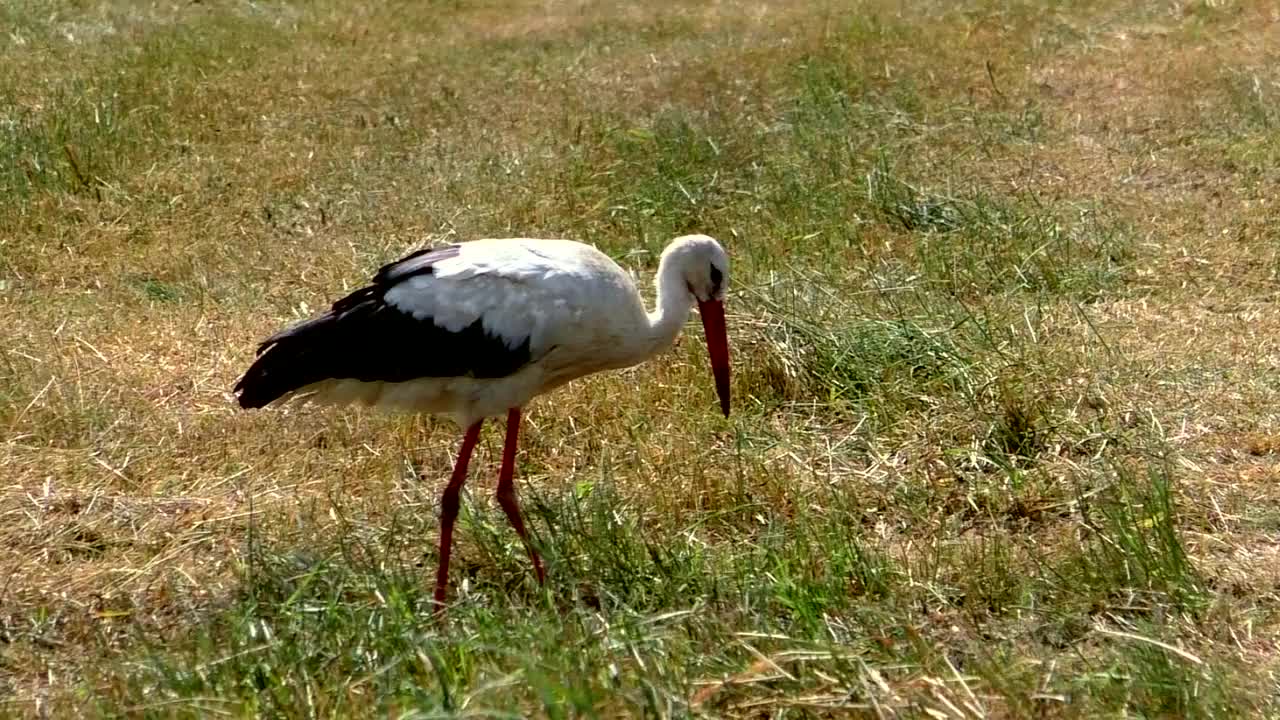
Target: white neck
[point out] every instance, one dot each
(674, 304)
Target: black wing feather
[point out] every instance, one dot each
(417, 263)
(362, 337)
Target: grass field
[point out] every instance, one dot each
(1004, 323)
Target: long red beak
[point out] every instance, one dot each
(712, 312)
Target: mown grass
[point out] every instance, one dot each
(1001, 324)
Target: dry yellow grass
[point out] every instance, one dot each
(264, 158)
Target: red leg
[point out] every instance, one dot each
(507, 489)
(449, 509)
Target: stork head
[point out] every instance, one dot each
(704, 268)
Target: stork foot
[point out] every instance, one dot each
(509, 505)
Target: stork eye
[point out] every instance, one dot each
(716, 278)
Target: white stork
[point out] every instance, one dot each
(478, 329)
